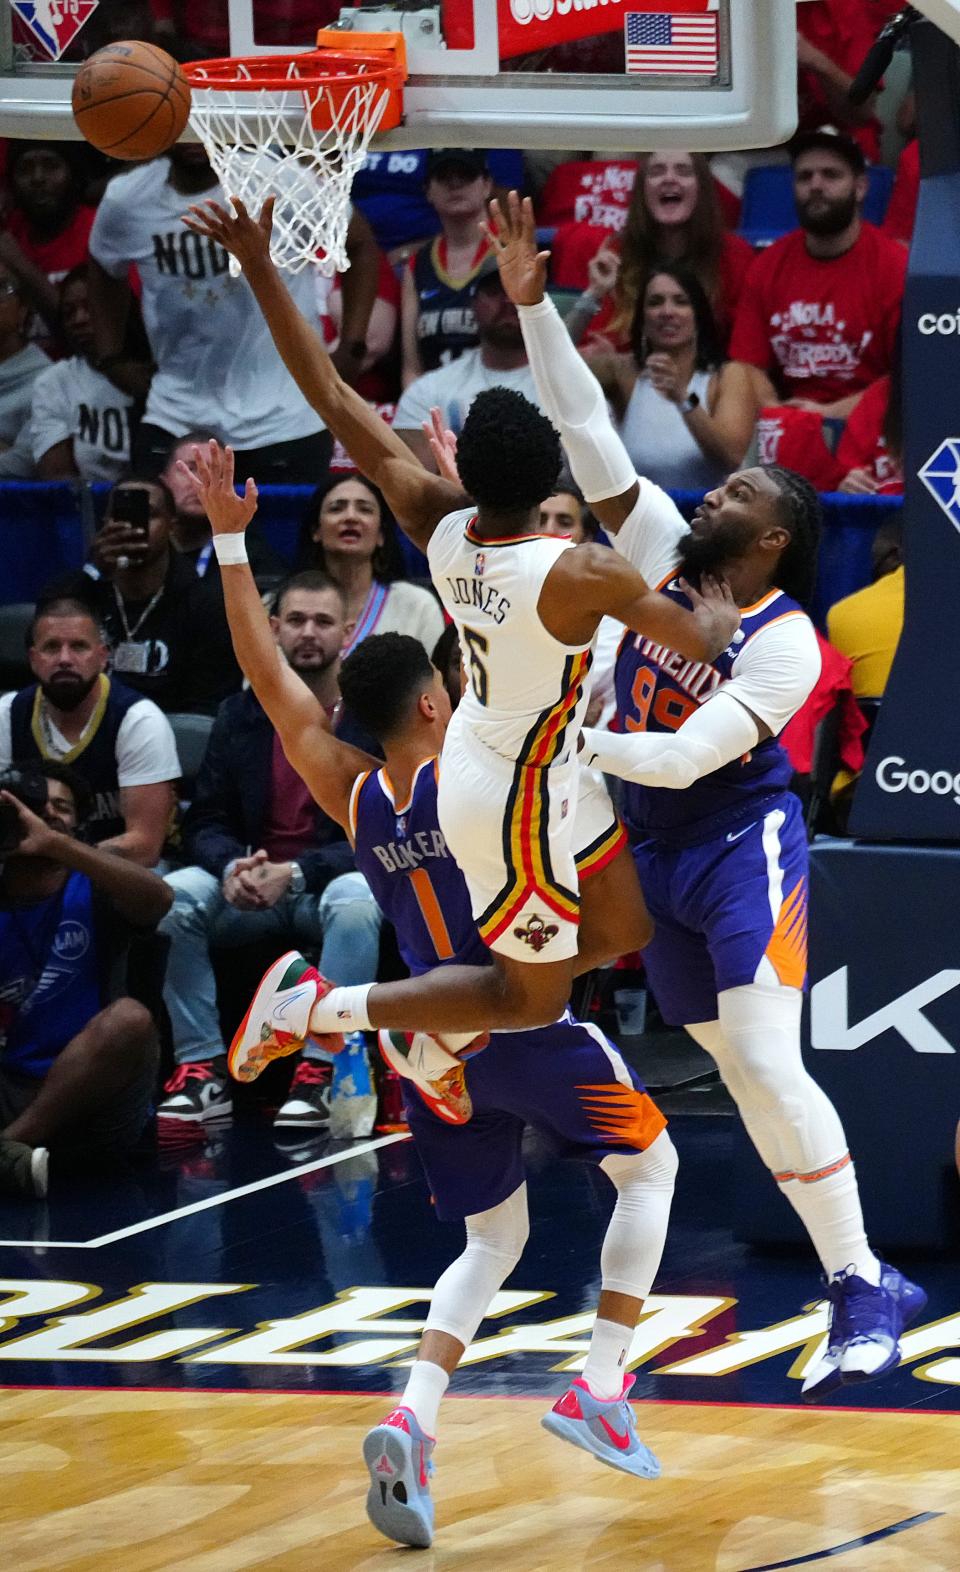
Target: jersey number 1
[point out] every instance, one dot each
(477, 645)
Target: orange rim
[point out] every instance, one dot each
(341, 64)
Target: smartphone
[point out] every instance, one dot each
(130, 505)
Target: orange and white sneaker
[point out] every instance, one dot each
(278, 1020)
(437, 1074)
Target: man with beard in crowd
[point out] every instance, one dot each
(118, 741)
(819, 310)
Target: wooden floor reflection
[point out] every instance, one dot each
(191, 1481)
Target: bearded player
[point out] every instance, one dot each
(718, 838)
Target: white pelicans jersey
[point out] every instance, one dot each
(527, 692)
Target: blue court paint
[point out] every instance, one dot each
(320, 1233)
(849, 1544)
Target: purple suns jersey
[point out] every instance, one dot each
(771, 665)
(412, 874)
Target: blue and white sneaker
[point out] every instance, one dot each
(605, 1428)
(866, 1321)
(397, 1453)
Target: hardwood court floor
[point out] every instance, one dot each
(191, 1481)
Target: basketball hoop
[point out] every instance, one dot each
(297, 127)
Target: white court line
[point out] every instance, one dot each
(203, 1206)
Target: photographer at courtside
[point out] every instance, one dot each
(78, 1059)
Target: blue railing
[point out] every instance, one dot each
(44, 526)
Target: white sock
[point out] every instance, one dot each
(789, 1118)
(425, 1387)
(604, 1369)
(342, 1010)
(829, 1209)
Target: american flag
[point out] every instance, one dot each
(668, 41)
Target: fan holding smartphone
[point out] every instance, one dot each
(168, 638)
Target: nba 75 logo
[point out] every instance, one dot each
(941, 476)
(54, 23)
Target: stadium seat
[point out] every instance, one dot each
(768, 211)
(192, 733)
(15, 670)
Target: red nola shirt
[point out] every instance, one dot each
(821, 328)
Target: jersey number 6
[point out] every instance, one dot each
(477, 645)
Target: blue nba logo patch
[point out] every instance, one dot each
(54, 23)
(401, 827)
(479, 563)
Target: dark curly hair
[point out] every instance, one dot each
(381, 678)
(802, 512)
(508, 453)
(387, 561)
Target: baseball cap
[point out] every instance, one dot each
(831, 142)
(471, 159)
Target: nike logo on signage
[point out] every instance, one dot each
(735, 835)
(621, 1442)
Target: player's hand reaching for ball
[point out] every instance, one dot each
(229, 514)
(246, 238)
(512, 232)
(715, 609)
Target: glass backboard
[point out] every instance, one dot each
(566, 74)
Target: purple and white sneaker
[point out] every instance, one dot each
(866, 1321)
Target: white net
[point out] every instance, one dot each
(262, 142)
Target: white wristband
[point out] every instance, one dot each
(230, 550)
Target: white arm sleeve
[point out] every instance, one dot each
(720, 731)
(777, 670)
(573, 399)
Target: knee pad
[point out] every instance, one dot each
(503, 1231)
(495, 1241)
(634, 1173)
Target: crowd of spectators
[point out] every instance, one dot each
(125, 341)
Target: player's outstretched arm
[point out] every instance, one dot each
(326, 765)
(591, 582)
(720, 731)
(569, 392)
(417, 499)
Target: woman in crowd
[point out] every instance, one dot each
(349, 534)
(685, 416)
(436, 311)
(675, 217)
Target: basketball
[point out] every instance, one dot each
(131, 100)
